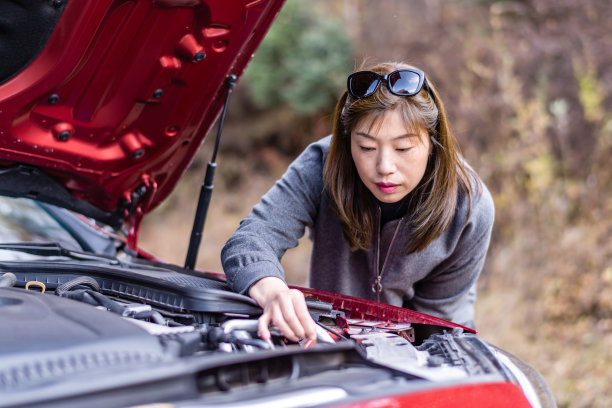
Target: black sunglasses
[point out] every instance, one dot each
(403, 82)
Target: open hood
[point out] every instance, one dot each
(104, 104)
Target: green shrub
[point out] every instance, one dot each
(302, 62)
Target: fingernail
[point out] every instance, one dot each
(309, 343)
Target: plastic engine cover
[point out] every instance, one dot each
(50, 337)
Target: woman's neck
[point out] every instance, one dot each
(393, 211)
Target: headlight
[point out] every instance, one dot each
(531, 382)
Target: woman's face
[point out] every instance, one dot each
(390, 160)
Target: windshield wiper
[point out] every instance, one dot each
(44, 249)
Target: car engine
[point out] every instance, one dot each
(151, 324)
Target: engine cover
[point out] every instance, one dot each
(50, 337)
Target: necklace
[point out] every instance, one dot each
(377, 285)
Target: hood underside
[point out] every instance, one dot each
(105, 103)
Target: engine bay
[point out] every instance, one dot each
(62, 323)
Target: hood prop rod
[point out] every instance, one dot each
(207, 186)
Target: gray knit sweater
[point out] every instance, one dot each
(439, 280)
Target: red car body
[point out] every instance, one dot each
(118, 102)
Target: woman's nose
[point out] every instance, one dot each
(385, 164)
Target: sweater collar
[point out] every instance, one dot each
(393, 211)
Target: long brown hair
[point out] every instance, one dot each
(433, 202)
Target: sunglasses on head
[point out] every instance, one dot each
(403, 82)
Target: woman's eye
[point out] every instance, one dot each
(403, 149)
(366, 149)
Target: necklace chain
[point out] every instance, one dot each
(377, 286)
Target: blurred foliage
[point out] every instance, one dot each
(302, 62)
(591, 95)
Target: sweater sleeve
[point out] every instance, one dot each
(450, 290)
(276, 223)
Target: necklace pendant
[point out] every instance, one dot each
(377, 286)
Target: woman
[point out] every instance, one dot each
(396, 214)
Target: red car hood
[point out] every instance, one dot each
(103, 104)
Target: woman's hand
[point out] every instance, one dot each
(284, 307)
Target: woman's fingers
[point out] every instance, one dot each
(286, 325)
(283, 307)
(262, 326)
(290, 303)
(297, 316)
(307, 324)
(289, 314)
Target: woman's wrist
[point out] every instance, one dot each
(266, 288)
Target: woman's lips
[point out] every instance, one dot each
(387, 187)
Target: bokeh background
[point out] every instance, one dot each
(528, 87)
